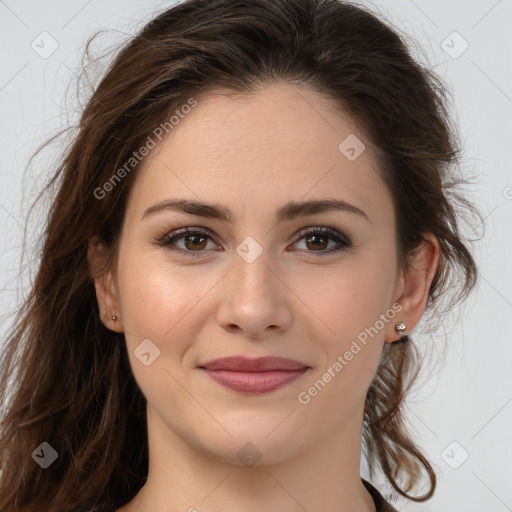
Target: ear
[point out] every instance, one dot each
(106, 294)
(414, 285)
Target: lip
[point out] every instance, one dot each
(258, 375)
(259, 364)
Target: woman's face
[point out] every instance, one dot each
(250, 285)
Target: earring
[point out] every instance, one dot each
(401, 328)
(114, 317)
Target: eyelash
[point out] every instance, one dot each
(326, 232)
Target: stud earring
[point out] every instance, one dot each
(401, 328)
(114, 317)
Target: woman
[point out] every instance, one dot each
(251, 220)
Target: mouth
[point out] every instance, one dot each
(259, 375)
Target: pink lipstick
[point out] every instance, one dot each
(258, 375)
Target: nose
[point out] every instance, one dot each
(254, 298)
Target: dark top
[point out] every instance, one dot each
(381, 504)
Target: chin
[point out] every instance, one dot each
(262, 444)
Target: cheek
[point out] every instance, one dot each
(160, 305)
(351, 298)
(160, 300)
(354, 307)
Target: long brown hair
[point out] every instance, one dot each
(65, 378)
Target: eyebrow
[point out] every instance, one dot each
(289, 211)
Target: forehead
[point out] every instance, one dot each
(263, 149)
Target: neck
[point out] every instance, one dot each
(324, 476)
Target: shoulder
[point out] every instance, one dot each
(381, 504)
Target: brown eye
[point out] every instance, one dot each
(317, 240)
(195, 241)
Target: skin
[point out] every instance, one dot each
(252, 155)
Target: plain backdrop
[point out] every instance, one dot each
(461, 414)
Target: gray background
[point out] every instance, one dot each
(464, 408)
